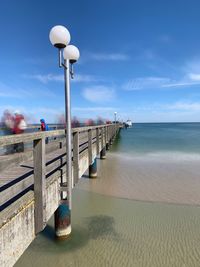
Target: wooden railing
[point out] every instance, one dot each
(30, 191)
(83, 139)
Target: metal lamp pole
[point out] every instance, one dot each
(68, 133)
(60, 38)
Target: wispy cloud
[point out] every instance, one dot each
(13, 92)
(184, 106)
(181, 83)
(46, 78)
(145, 83)
(9, 91)
(98, 93)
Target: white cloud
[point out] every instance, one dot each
(184, 106)
(98, 93)
(109, 56)
(194, 76)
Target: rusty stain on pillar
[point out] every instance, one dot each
(93, 169)
(62, 218)
(103, 153)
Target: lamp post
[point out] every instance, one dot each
(115, 114)
(68, 55)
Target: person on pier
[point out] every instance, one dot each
(7, 122)
(44, 127)
(19, 127)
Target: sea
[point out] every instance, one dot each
(143, 209)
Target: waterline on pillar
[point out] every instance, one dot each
(93, 169)
(63, 233)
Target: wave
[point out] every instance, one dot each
(162, 156)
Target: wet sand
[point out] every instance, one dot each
(162, 178)
(127, 217)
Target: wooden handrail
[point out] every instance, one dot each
(28, 137)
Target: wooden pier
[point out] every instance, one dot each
(32, 183)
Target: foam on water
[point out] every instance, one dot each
(159, 156)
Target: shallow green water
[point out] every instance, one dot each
(111, 231)
(116, 232)
(160, 137)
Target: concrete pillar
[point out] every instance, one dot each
(93, 169)
(103, 153)
(107, 146)
(62, 217)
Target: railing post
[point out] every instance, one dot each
(105, 135)
(76, 157)
(103, 148)
(90, 146)
(101, 138)
(97, 141)
(107, 138)
(39, 184)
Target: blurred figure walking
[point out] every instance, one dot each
(8, 124)
(44, 127)
(19, 127)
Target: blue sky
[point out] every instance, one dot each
(139, 58)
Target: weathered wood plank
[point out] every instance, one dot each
(90, 147)
(97, 141)
(76, 157)
(102, 145)
(39, 184)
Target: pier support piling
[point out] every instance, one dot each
(62, 219)
(103, 153)
(107, 146)
(93, 169)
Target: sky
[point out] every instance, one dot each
(139, 58)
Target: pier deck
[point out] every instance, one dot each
(31, 183)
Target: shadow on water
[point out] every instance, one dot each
(86, 176)
(94, 227)
(101, 225)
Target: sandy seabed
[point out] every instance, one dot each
(140, 211)
(147, 177)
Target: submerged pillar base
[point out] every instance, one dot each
(103, 153)
(62, 218)
(93, 169)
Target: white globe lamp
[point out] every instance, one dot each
(71, 53)
(59, 36)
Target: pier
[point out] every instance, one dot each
(33, 183)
